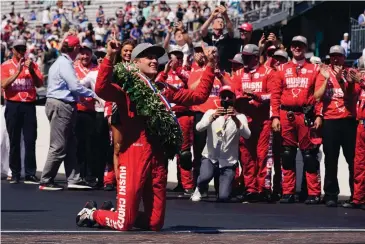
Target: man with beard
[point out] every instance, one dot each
(336, 90)
(293, 112)
(142, 163)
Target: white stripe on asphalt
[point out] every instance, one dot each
(187, 231)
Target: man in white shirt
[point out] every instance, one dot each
(220, 156)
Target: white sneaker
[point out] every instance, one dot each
(196, 197)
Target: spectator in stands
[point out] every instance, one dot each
(361, 19)
(346, 44)
(100, 17)
(136, 33)
(220, 156)
(360, 62)
(46, 16)
(181, 38)
(217, 38)
(62, 93)
(245, 35)
(19, 78)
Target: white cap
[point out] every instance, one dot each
(346, 34)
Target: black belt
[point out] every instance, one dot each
(295, 109)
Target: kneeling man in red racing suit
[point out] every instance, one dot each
(142, 163)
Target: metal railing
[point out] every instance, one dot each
(265, 10)
(357, 36)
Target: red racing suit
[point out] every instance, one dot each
(359, 161)
(109, 174)
(142, 165)
(254, 151)
(179, 79)
(86, 104)
(292, 90)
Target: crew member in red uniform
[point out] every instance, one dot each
(254, 85)
(176, 75)
(85, 118)
(19, 78)
(358, 199)
(142, 170)
(293, 112)
(338, 96)
(198, 68)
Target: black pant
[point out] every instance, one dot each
(21, 116)
(200, 139)
(85, 126)
(102, 150)
(338, 133)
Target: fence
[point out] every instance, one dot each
(357, 36)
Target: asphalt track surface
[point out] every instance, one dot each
(32, 216)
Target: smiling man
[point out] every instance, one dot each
(142, 163)
(291, 99)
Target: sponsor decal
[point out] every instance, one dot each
(296, 82)
(122, 201)
(256, 86)
(304, 71)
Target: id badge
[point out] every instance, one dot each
(219, 132)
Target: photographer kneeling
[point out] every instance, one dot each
(220, 156)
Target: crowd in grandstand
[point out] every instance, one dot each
(242, 108)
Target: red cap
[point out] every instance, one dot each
(246, 27)
(227, 88)
(72, 41)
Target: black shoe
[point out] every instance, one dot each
(85, 216)
(32, 179)
(348, 204)
(251, 197)
(188, 192)
(331, 203)
(313, 200)
(287, 198)
(14, 180)
(266, 196)
(79, 186)
(178, 188)
(107, 205)
(50, 187)
(109, 187)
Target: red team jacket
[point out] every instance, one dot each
(23, 88)
(260, 81)
(213, 100)
(178, 79)
(337, 103)
(294, 87)
(361, 100)
(86, 104)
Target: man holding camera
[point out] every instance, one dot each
(224, 128)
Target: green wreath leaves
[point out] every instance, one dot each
(160, 123)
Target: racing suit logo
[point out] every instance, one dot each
(122, 200)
